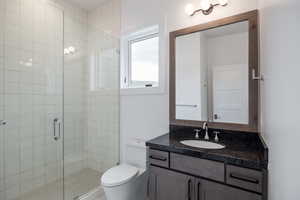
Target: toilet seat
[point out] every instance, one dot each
(119, 175)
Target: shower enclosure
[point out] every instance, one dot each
(59, 98)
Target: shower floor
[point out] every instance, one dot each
(78, 184)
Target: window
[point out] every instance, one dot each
(142, 66)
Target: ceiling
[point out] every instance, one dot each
(86, 4)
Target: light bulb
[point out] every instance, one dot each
(223, 2)
(66, 51)
(72, 49)
(205, 4)
(189, 9)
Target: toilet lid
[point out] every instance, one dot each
(119, 175)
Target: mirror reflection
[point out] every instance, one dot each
(212, 75)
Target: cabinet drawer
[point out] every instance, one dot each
(199, 167)
(159, 158)
(244, 178)
(209, 190)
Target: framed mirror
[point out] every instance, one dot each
(213, 74)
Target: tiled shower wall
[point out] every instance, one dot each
(103, 100)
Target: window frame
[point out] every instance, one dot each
(129, 82)
(127, 41)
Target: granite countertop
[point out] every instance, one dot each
(242, 149)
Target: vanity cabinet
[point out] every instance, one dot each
(166, 184)
(169, 185)
(179, 177)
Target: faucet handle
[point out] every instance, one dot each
(197, 133)
(216, 136)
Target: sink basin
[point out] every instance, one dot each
(202, 144)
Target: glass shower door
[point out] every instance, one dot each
(2, 122)
(31, 100)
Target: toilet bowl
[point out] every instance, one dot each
(125, 182)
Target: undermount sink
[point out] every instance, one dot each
(202, 144)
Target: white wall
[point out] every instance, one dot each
(147, 116)
(142, 116)
(280, 94)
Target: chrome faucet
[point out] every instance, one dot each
(205, 128)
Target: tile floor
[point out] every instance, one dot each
(76, 185)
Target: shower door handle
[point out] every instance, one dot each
(56, 123)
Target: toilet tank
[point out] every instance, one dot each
(135, 153)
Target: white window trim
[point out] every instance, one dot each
(125, 61)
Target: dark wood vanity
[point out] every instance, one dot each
(224, 96)
(179, 172)
(168, 184)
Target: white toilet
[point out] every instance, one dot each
(125, 182)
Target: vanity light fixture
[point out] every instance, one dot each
(206, 7)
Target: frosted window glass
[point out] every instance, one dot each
(145, 60)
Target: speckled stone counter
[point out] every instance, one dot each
(242, 149)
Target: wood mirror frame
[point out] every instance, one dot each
(253, 125)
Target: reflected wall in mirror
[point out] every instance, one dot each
(213, 69)
(212, 75)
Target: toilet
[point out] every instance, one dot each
(125, 182)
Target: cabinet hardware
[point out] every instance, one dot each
(187, 105)
(158, 158)
(148, 186)
(189, 189)
(244, 178)
(155, 186)
(198, 191)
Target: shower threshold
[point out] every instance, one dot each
(85, 182)
(92, 195)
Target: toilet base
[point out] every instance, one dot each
(135, 189)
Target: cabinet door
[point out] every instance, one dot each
(169, 185)
(208, 190)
